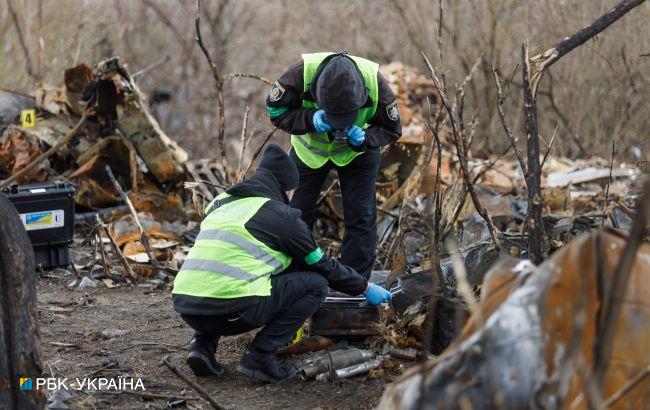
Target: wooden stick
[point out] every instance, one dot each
(244, 126)
(117, 249)
(628, 386)
(246, 75)
(46, 154)
(550, 145)
(193, 384)
(143, 235)
(102, 251)
(612, 301)
(259, 149)
(504, 122)
(148, 395)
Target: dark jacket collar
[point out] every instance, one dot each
(262, 184)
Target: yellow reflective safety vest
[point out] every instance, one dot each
(315, 149)
(226, 260)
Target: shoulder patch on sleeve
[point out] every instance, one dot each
(277, 91)
(392, 111)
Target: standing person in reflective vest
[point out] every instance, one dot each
(255, 263)
(340, 111)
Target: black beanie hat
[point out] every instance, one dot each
(281, 166)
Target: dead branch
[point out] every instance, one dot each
(540, 62)
(246, 75)
(162, 60)
(143, 235)
(191, 383)
(329, 189)
(490, 165)
(102, 251)
(628, 386)
(244, 126)
(462, 283)
(117, 249)
(146, 395)
(504, 121)
(534, 174)
(461, 154)
(219, 85)
(612, 302)
(550, 145)
(609, 181)
(259, 149)
(61, 143)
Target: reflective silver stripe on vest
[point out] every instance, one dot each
(311, 148)
(238, 240)
(219, 268)
(319, 138)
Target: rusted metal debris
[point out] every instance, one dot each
(534, 343)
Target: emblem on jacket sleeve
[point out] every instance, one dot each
(392, 111)
(277, 91)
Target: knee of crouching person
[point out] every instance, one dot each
(320, 286)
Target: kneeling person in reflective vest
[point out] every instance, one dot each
(255, 263)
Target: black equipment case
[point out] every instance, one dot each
(47, 212)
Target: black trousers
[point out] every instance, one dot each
(295, 296)
(359, 205)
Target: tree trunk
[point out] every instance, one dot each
(534, 174)
(20, 355)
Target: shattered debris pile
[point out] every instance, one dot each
(99, 121)
(101, 118)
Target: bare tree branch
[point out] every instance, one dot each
(504, 121)
(244, 126)
(613, 300)
(246, 75)
(461, 154)
(543, 61)
(259, 150)
(219, 86)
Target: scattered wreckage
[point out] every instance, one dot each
(531, 321)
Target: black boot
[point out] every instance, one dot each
(263, 366)
(200, 356)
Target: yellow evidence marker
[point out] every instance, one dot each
(28, 118)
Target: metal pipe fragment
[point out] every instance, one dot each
(334, 360)
(351, 371)
(404, 354)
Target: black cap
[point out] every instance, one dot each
(340, 91)
(281, 166)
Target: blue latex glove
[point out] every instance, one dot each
(376, 294)
(356, 136)
(319, 122)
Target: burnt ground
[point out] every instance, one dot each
(83, 330)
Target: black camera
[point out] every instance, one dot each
(340, 136)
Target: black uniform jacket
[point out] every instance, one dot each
(279, 227)
(288, 114)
